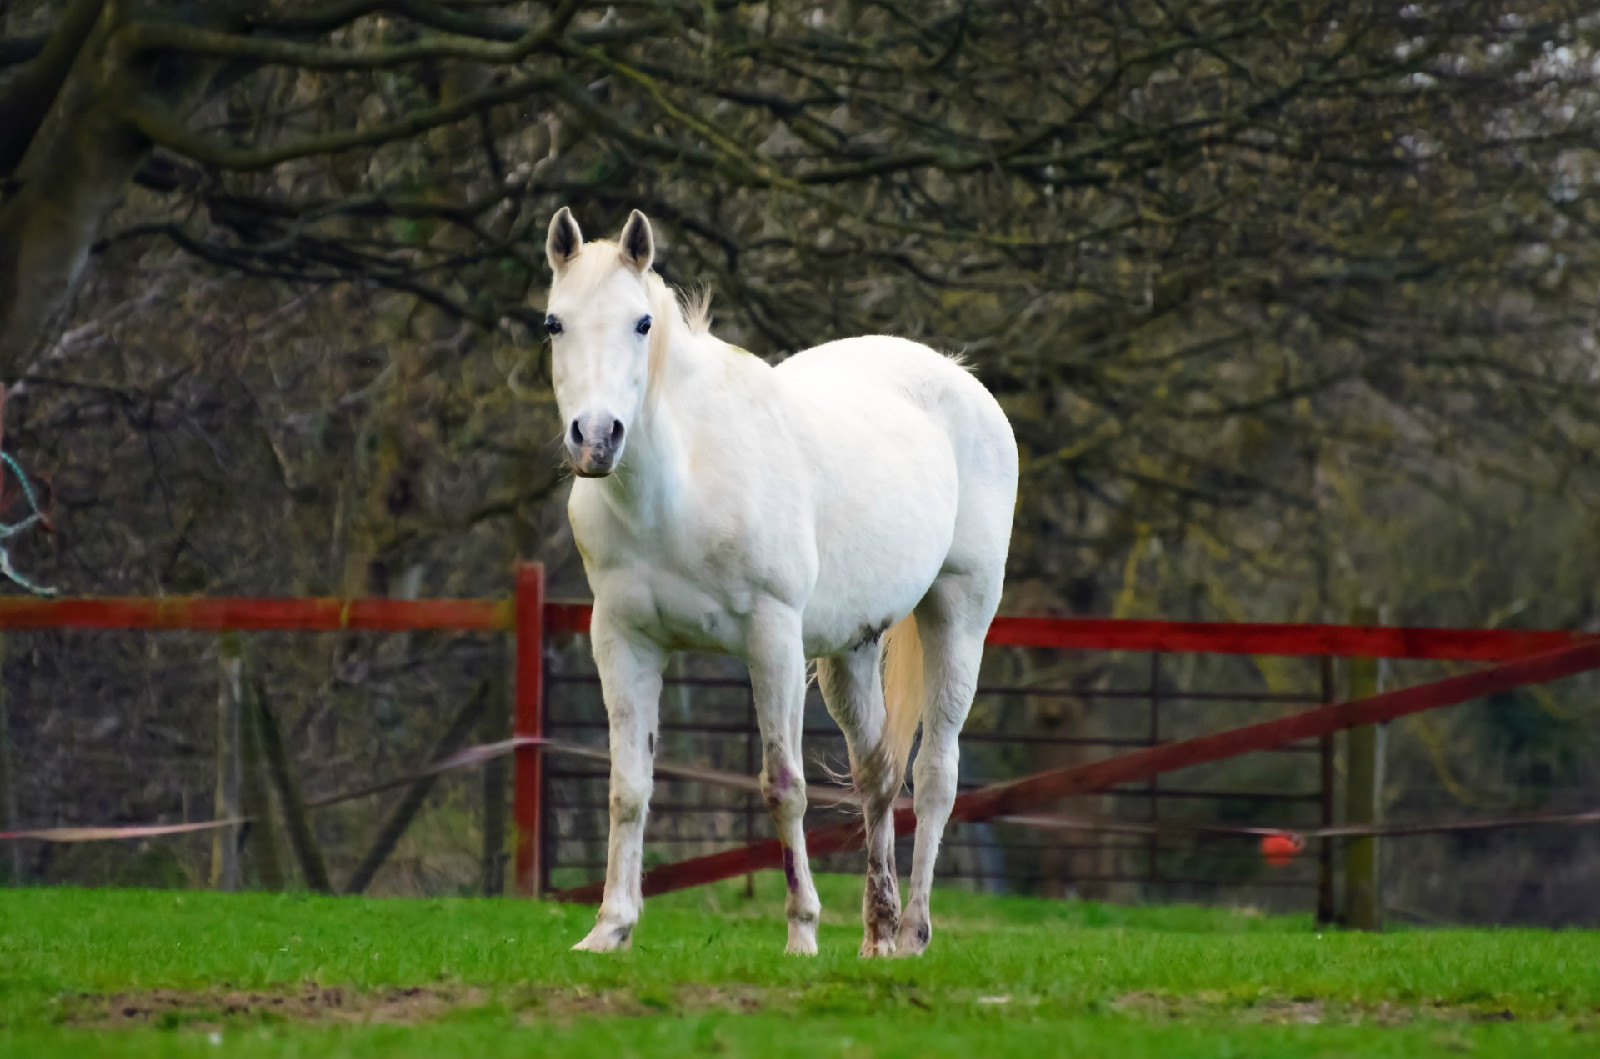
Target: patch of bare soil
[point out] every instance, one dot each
(333, 1004)
(309, 1003)
(1307, 1011)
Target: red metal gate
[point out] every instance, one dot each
(534, 622)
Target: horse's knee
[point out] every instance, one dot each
(937, 771)
(629, 800)
(784, 791)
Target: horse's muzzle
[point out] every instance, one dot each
(593, 444)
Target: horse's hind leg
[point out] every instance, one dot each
(778, 678)
(951, 620)
(853, 689)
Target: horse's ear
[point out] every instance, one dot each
(563, 242)
(637, 244)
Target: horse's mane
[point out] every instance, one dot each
(696, 308)
(692, 308)
(689, 310)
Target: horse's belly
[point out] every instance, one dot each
(881, 540)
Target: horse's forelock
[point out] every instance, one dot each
(590, 267)
(594, 265)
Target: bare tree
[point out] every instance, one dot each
(1152, 219)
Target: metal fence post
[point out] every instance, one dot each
(1363, 909)
(1154, 739)
(1326, 908)
(528, 773)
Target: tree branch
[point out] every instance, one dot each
(340, 13)
(174, 136)
(28, 97)
(152, 36)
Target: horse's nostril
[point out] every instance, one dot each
(616, 431)
(577, 435)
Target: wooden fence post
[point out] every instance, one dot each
(496, 726)
(296, 820)
(527, 812)
(225, 841)
(1362, 899)
(262, 830)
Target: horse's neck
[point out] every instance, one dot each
(698, 393)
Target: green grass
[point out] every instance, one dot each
(1005, 978)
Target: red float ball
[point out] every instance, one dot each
(1280, 847)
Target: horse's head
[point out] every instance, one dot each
(599, 325)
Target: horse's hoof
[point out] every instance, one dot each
(878, 938)
(802, 938)
(913, 938)
(607, 937)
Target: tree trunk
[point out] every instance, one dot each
(74, 172)
(67, 156)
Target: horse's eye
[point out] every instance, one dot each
(643, 326)
(552, 326)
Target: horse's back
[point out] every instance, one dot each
(914, 467)
(875, 367)
(917, 373)
(855, 375)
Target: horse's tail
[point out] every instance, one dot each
(902, 694)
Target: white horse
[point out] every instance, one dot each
(853, 502)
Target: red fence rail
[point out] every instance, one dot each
(199, 614)
(196, 614)
(529, 617)
(1286, 640)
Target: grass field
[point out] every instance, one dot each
(198, 974)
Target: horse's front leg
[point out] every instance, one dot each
(778, 678)
(630, 680)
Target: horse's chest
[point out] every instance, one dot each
(684, 599)
(678, 612)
